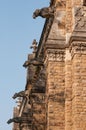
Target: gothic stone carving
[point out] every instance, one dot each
(20, 94)
(34, 46)
(80, 18)
(78, 47)
(19, 120)
(44, 12)
(35, 62)
(15, 119)
(55, 55)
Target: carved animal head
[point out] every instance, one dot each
(26, 64)
(15, 96)
(15, 119)
(36, 13)
(9, 121)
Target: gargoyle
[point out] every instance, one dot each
(15, 119)
(44, 12)
(20, 94)
(34, 62)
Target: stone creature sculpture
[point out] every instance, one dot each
(34, 62)
(15, 119)
(19, 94)
(45, 12)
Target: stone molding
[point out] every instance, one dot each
(55, 55)
(78, 48)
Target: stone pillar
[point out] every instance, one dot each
(75, 111)
(78, 51)
(68, 91)
(15, 114)
(55, 89)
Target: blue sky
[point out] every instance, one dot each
(17, 31)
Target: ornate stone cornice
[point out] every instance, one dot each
(78, 48)
(77, 36)
(55, 55)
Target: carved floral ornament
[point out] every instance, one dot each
(80, 18)
(78, 47)
(55, 55)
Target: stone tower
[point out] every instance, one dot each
(55, 93)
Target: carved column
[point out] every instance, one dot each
(55, 88)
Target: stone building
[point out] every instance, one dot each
(54, 97)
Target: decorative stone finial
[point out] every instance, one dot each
(34, 46)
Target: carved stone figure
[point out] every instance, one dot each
(15, 119)
(80, 18)
(20, 94)
(34, 62)
(44, 12)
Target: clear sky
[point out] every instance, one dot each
(17, 31)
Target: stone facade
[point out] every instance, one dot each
(56, 72)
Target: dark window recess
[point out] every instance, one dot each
(84, 2)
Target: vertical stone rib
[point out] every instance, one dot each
(68, 91)
(55, 91)
(69, 16)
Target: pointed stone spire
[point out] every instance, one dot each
(34, 46)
